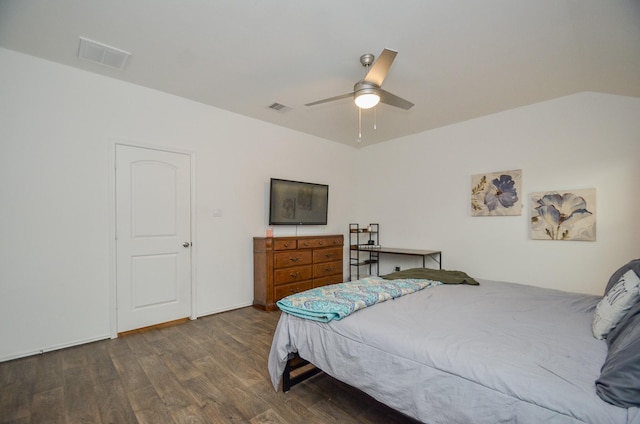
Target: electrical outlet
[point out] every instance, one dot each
(397, 268)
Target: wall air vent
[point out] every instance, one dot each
(102, 54)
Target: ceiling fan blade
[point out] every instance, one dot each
(330, 99)
(393, 100)
(380, 67)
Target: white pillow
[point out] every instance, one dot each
(615, 305)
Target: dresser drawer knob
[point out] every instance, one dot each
(328, 255)
(294, 274)
(296, 259)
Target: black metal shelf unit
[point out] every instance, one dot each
(363, 257)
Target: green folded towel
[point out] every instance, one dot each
(442, 275)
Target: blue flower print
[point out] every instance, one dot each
(502, 192)
(558, 213)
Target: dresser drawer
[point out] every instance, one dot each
(289, 289)
(279, 244)
(292, 258)
(315, 243)
(293, 274)
(334, 241)
(325, 281)
(327, 255)
(327, 268)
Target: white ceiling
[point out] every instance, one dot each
(457, 60)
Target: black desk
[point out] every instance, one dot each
(409, 252)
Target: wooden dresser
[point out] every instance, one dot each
(287, 265)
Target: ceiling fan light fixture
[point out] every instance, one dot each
(367, 100)
(366, 94)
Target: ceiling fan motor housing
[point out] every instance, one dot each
(365, 87)
(369, 90)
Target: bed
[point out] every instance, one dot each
(493, 353)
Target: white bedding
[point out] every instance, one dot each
(493, 353)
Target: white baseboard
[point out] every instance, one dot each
(55, 347)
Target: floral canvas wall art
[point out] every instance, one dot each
(496, 193)
(566, 215)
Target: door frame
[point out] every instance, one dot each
(113, 300)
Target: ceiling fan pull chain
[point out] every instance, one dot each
(375, 117)
(359, 124)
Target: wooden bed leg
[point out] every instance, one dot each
(296, 371)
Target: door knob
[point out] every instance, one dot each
(186, 244)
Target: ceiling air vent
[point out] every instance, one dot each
(279, 107)
(102, 54)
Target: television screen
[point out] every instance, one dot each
(297, 203)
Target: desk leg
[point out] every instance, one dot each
(424, 258)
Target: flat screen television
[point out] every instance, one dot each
(297, 203)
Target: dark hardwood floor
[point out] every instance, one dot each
(211, 370)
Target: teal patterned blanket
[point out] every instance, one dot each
(337, 301)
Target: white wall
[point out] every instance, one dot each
(418, 189)
(57, 126)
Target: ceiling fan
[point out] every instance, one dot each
(367, 92)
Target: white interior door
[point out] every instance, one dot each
(153, 236)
